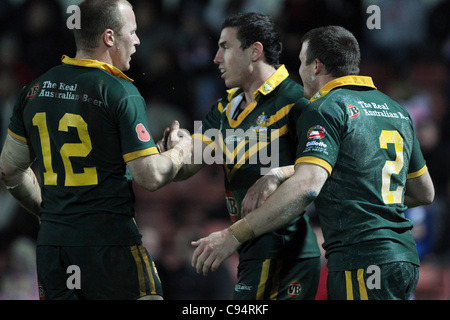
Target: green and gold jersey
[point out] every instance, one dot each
(84, 119)
(366, 141)
(249, 145)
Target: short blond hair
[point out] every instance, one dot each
(96, 17)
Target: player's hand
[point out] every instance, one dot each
(177, 135)
(212, 250)
(258, 193)
(162, 144)
(181, 139)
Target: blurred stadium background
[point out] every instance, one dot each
(408, 58)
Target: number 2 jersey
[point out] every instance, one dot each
(366, 141)
(84, 120)
(248, 145)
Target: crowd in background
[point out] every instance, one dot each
(408, 58)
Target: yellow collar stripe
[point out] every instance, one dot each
(343, 81)
(268, 86)
(95, 64)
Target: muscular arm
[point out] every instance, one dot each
(152, 172)
(155, 171)
(191, 168)
(419, 191)
(15, 172)
(286, 203)
(264, 187)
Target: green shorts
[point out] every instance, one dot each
(96, 273)
(390, 281)
(273, 279)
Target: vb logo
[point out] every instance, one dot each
(294, 289)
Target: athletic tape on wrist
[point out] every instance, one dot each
(176, 155)
(279, 174)
(242, 231)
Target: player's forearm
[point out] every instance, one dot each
(24, 187)
(155, 171)
(15, 172)
(283, 173)
(288, 202)
(283, 206)
(195, 164)
(187, 171)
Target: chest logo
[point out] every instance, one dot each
(353, 111)
(33, 91)
(261, 122)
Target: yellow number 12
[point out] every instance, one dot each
(89, 175)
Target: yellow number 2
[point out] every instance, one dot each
(89, 175)
(392, 167)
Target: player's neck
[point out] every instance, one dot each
(93, 55)
(258, 77)
(324, 79)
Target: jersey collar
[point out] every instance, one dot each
(268, 86)
(95, 64)
(362, 81)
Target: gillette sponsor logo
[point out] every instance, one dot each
(316, 144)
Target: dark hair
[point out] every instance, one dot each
(256, 27)
(96, 17)
(336, 47)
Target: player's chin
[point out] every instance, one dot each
(126, 66)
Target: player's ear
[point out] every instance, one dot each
(319, 67)
(108, 37)
(257, 51)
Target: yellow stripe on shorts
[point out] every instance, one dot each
(263, 279)
(265, 273)
(149, 270)
(361, 284)
(141, 258)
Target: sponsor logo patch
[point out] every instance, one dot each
(242, 287)
(231, 206)
(33, 91)
(353, 111)
(294, 290)
(316, 132)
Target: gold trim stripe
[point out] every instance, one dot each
(361, 284)
(140, 270)
(17, 136)
(140, 153)
(362, 81)
(348, 285)
(88, 63)
(317, 161)
(149, 270)
(263, 279)
(417, 173)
